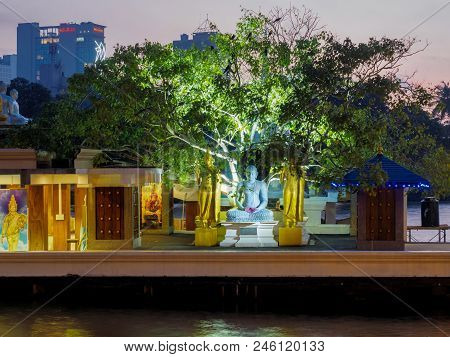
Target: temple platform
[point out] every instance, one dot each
(182, 259)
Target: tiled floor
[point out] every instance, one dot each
(186, 242)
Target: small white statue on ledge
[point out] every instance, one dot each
(9, 108)
(15, 116)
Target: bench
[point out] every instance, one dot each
(441, 233)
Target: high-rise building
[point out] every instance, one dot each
(66, 49)
(200, 40)
(8, 68)
(27, 35)
(201, 37)
(52, 77)
(80, 45)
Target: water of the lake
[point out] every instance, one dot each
(59, 320)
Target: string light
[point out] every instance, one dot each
(419, 185)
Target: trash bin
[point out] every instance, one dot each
(430, 212)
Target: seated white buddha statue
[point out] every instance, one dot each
(254, 203)
(5, 104)
(15, 116)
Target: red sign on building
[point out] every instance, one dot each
(66, 29)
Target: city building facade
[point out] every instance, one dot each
(8, 68)
(200, 40)
(46, 52)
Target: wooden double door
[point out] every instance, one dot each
(109, 203)
(381, 221)
(381, 215)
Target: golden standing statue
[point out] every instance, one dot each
(13, 223)
(293, 195)
(209, 182)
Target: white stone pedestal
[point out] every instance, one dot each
(249, 234)
(231, 235)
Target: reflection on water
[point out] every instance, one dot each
(142, 322)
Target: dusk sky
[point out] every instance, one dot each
(131, 21)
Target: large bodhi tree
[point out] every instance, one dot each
(278, 89)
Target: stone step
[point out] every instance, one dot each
(335, 242)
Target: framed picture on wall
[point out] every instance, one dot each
(152, 205)
(13, 220)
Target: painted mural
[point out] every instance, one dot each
(151, 205)
(13, 220)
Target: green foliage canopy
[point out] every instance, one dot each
(278, 89)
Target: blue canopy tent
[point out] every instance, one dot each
(382, 211)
